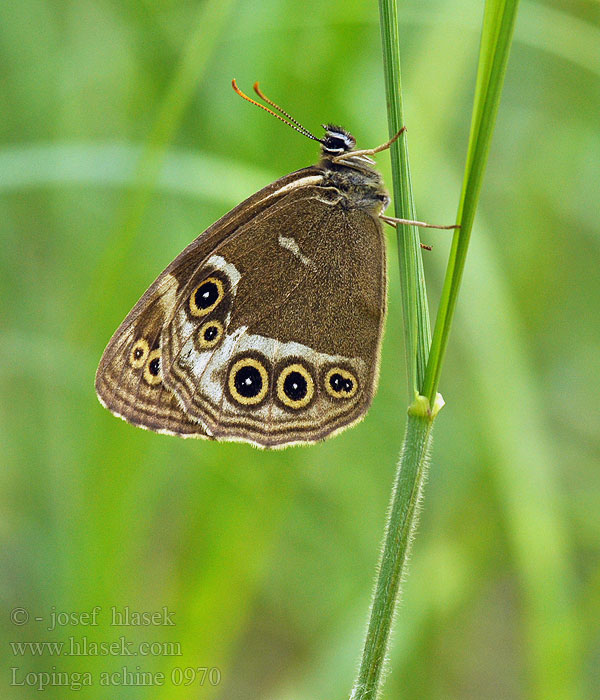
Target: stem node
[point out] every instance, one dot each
(421, 407)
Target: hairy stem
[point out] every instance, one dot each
(402, 519)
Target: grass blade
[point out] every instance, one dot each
(496, 37)
(417, 332)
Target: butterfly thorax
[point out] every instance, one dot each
(353, 176)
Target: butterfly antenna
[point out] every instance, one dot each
(262, 96)
(291, 123)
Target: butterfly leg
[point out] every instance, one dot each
(393, 221)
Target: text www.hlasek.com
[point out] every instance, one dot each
(84, 647)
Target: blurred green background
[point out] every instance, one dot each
(121, 141)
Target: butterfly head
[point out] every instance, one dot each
(338, 146)
(336, 141)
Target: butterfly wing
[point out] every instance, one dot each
(129, 379)
(275, 338)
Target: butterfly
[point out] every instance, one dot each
(267, 328)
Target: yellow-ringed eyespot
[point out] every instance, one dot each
(209, 334)
(295, 386)
(152, 373)
(248, 381)
(139, 353)
(340, 383)
(206, 296)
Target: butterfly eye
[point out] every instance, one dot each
(295, 386)
(337, 140)
(139, 353)
(335, 144)
(209, 334)
(206, 296)
(248, 381)
(340, 383)
(152, 373)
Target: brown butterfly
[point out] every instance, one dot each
(267, 328)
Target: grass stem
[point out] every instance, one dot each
(424, 367)
(417, 331)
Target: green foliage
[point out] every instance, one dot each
(267, 558)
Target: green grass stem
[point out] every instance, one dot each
(498, 26)
(406, 495)
(417, 332)
(496, 38)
